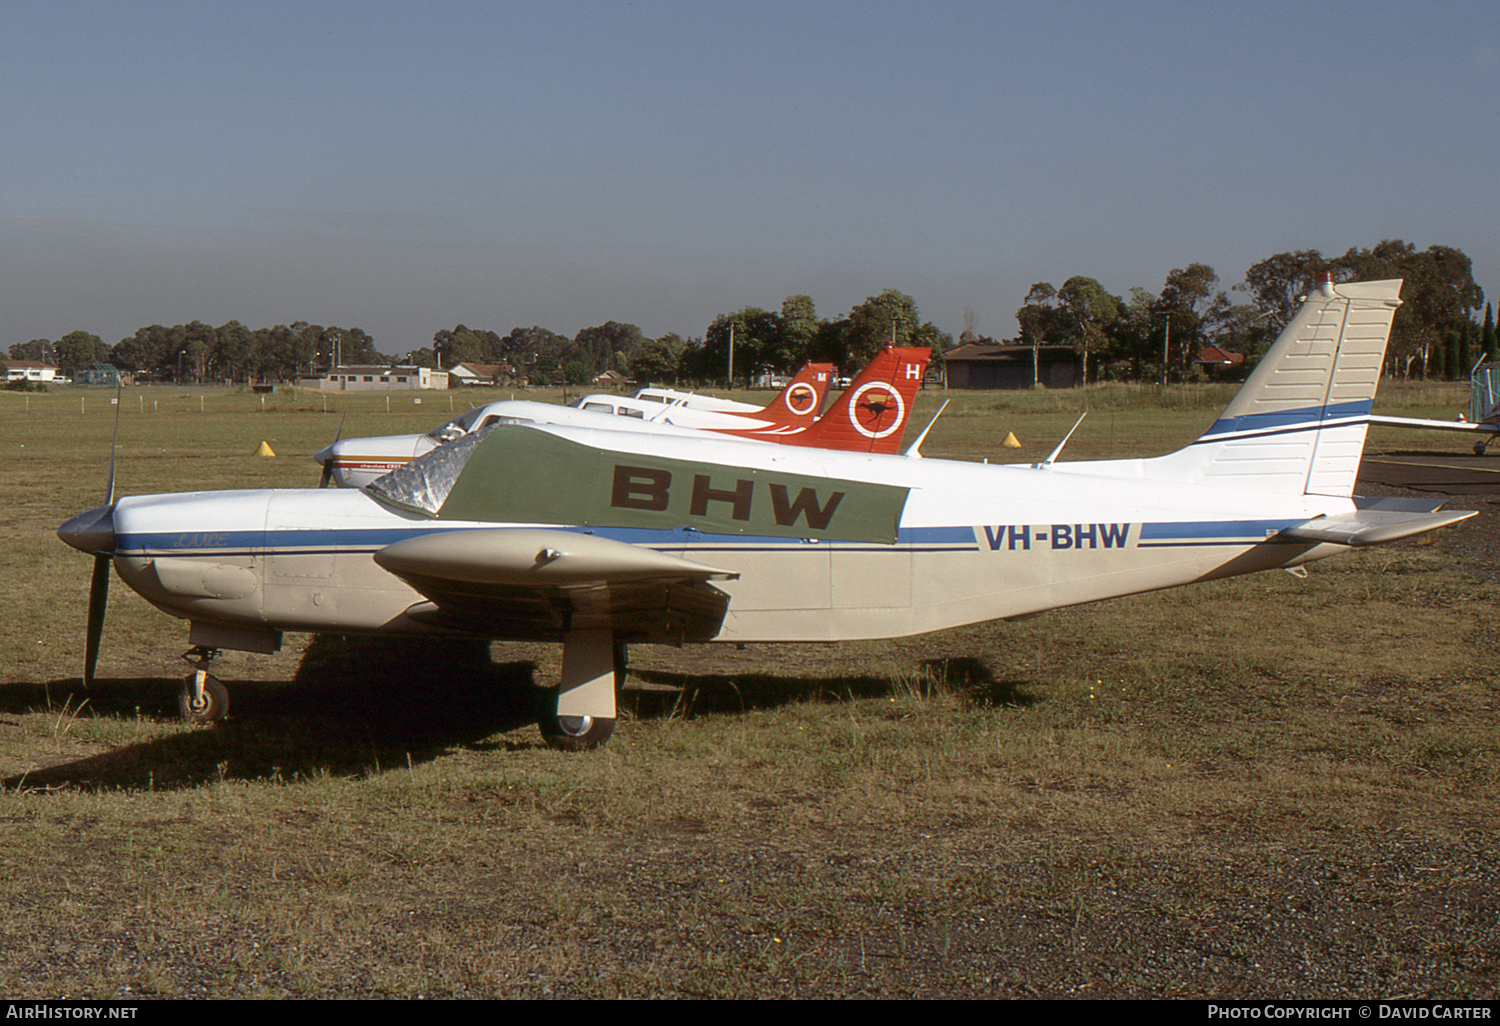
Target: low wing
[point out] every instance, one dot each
(538, 583)
(1375, 522)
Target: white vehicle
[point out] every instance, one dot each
(601, 539)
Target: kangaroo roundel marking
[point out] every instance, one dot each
(801, 398)
(876, 410)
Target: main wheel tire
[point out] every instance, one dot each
(215, 700)
(575, 733)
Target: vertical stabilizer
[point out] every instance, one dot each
(798, 404)
(873, 412)
(1298, 424)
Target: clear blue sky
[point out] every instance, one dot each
(403, 167)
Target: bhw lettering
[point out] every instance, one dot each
(649, 489)
(1058, 536)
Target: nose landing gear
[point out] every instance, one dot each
(204, 698)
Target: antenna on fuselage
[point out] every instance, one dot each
(1055, 452)
(914, 450)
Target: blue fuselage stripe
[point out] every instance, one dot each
(319, 541)
(1310, 418)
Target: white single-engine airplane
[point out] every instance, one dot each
(599, 539)
(881, 398)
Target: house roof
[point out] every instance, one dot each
(1213, 354)
(482, 370)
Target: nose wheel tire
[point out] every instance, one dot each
(212, 706)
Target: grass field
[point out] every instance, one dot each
(1261, 787)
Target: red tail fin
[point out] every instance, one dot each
(798, 404)
(871, 415)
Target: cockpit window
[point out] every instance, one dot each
(626, 412)
(599, 407)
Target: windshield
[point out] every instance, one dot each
(451, 429)
(422, 485)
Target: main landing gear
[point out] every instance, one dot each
(204, 699)
(579, 713)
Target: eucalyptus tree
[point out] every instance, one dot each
(1091, 311)
(1438, 293)
(78, 350)
(887, 319)
(659, 360)
(1189, 311)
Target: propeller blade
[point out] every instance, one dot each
(98, 598)
(327, 474)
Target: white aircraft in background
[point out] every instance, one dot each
(699, 401)
(883, 392)
(355, 462)
(1483, 406)
(600, 539)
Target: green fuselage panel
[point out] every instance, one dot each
(521, 475)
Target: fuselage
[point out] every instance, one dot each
(975, 543)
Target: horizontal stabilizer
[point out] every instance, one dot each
(1375, 522)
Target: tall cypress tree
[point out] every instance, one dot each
(1491, 348)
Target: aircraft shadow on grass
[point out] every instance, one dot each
(698, 694)
(353, 710)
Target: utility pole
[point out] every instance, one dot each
(1165, 339)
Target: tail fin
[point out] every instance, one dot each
(798, 404)
(873, 412)
(1298, 424)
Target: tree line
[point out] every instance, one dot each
(753, 340)
(196, 352)
(1157, 336)
(1145, 336)
(764, 342)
